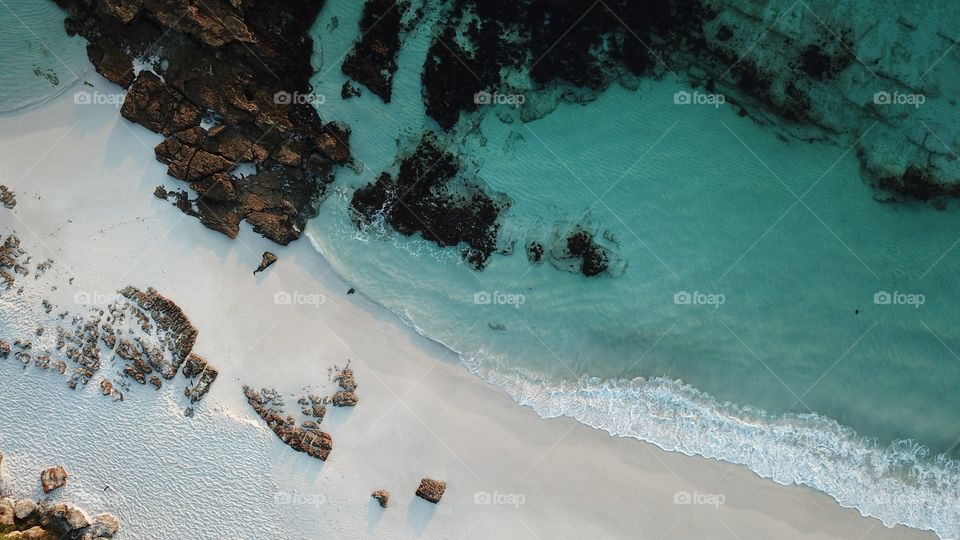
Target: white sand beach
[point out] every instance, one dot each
(84, 179)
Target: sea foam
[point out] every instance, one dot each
(899, 483)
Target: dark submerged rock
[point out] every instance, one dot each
(427, 195)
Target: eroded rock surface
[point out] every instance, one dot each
(431, 490)
(373, 60)
(307, 438)
(53, 478)
(265, 262)
(26, 519)
(228, 87)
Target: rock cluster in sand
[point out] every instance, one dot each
(26, 519)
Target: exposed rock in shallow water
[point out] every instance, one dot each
(811, 71)
(429, 195)
(431, 490)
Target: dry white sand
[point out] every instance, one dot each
(84, 177)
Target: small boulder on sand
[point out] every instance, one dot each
(382, 496)
(431, 490)
(53, 478)
(265, 262)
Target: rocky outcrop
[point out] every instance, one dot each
(265, 262)
(197, 367)
(431, 490)
(308, 439)
(343, 399)
(25, 519)
(428, 195)
(53, 478)
(143, 336)
(231, 89)
(382, 496)
(7, 198)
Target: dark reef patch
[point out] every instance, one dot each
(429, 195)
(373, 60)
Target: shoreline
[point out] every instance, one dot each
(442, 418)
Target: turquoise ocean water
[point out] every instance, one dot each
(786, 358)
(749, 323)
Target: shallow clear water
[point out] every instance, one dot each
(40, 60)
(782, 361)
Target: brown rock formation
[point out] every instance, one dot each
(245, 67)
(382, 496)
(312, 442)
(265, 262)
(431, 490)
(53, 478)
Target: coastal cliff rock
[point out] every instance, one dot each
(227, 85)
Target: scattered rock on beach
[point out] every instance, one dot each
(267, 260)
(345, 379)
(344, 399)
(7, 198)
(382, 496)
(53, 478)
(431, 490)
(268, 406)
